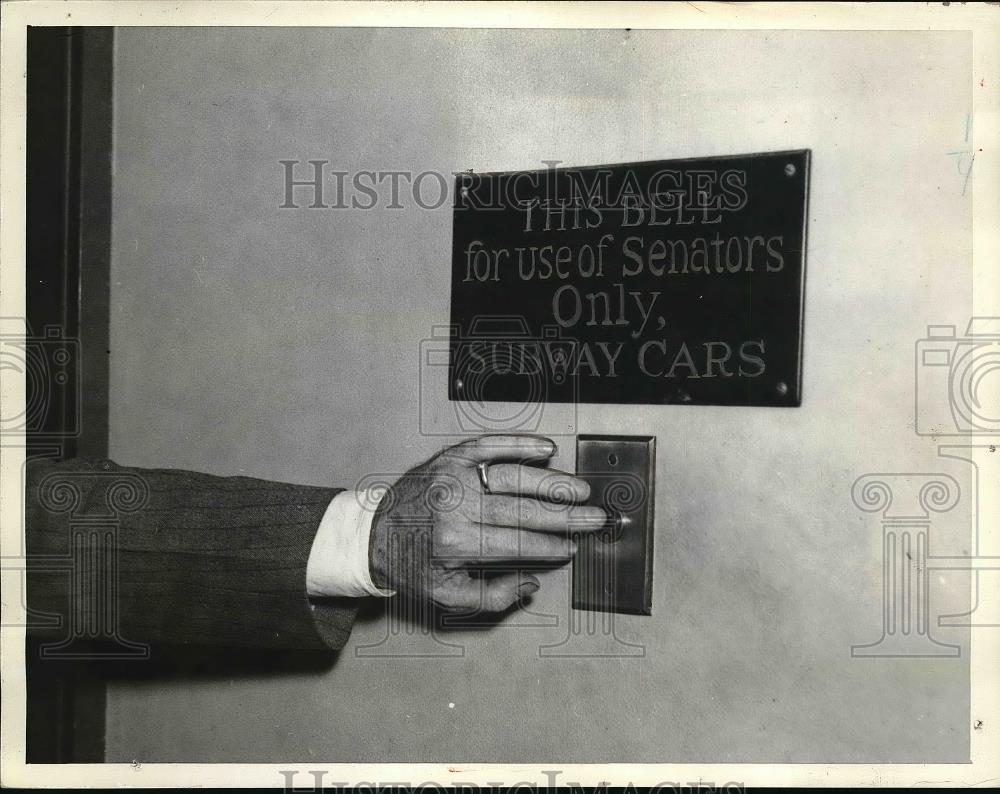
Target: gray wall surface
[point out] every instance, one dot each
(286, 344)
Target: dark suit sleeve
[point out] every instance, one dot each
(174, 557)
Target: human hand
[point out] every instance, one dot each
(438, 526)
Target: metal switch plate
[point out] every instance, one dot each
(613, 569)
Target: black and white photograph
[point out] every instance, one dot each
(480, 394)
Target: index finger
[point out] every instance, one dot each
(484, 449)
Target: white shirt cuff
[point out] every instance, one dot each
(338, 559)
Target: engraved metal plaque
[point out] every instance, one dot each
(677, 281)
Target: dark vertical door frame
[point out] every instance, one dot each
(68, 247)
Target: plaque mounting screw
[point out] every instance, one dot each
(790, 169)
(459, 384)
(781, 387)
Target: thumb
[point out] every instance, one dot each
(502, 592)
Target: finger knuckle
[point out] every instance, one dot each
(501, 478)
(529, 510)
